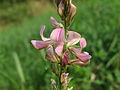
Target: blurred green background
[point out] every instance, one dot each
(24, 68)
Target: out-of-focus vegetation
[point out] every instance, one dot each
(15, 11)
(23, 67)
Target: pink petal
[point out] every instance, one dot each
(55, 23)
(76, 50)
(59, 48)
(40, 44)
(50, 54)
(41, 34)
(78, 62)
(73, 38)
(84, 56)
(66, 58)
(81, 56)
(57, 35)
(83, 43)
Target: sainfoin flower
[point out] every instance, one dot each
(57, 42)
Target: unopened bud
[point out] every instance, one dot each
(66, 10)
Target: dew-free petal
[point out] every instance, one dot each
(59, 48)
(83, 56)
(38, 44)
(73, 38)
(76, 50)
(50, 55)
(55, 23)
(66, 58)
(83, 42)
(41, 34)
(57, 35)
(78, 62)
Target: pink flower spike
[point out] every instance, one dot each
(84, 56)
(73, 38)
(50, 54)
(41, 34)
(59, 48)
(38, 44)
(83, 43)
(57, 35)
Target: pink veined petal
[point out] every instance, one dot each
(83, 56)
(57, 35)
(78, 62)
(41, 34)
(76, 50)
(66, 58)
(59, 48)
(38, 44)
(83, 43)
(73, 38)
(50, 54)
(55, 23)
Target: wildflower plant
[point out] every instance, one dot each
(62, 44)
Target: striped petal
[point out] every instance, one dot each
(50, 54)
(83, 56)
(57, 35)
(76, 50)
(38, 44)
(83, 43)
(41, 34)
(59, 48)
(78, 62)
(66, 58)
(55, 23)
(73, 38)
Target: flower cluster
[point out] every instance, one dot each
(59, 48)
(64, 47)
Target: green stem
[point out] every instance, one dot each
(61, 68)
(60, 84)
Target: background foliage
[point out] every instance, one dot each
(24, 68)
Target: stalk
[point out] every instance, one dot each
(61, 67)
(60, 84)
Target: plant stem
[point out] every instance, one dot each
(60, 70)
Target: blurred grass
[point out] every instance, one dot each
(16, 12)
(98, 21)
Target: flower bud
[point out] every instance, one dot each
(50, 54)
(66, 10)
(66, 57)
(65, 80)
